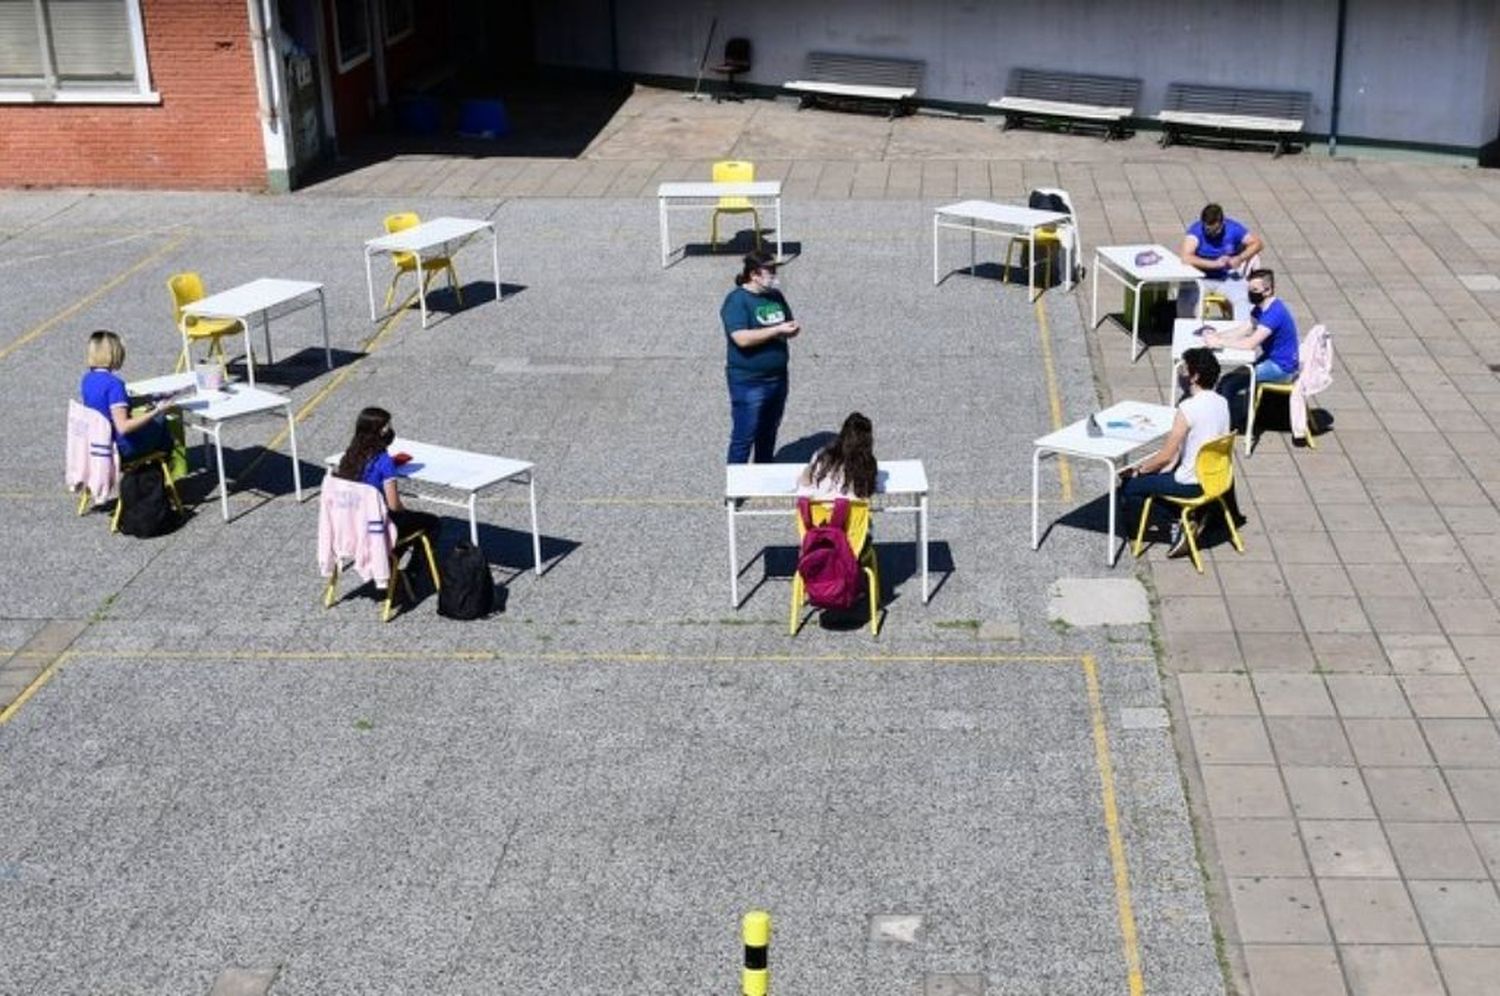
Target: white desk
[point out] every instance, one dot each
(761, 193)
(1118, 263)
(468, 473)
(207, 412)
(1074, 440)
(260, 297)
(1010, 222)
(438, 237)
(1184, 339)
(779, 480)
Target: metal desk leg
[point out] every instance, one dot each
(370, 284)
(327, 343)
(291, 431)
(1036, 479)
(1135, 321)
(779, 257)
(265, 329)
(223, 481)
(1095, 323)
(661, 224)
(249, 350)
(1031, 264)
(1250, 412)
(421, 288)
(922, 540)
(934, 251)
(734, 557)
(536, 535)
(1110, 553)
(473, 520)
(495, 258)
(973, 254)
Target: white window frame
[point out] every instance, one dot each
(411, 22)
(338, 53)
(63, 92)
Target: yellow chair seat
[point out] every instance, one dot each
(857, 530)
(1216, 476)
(1286, 390)
(208, 328)
(1049, 239)
(406, 262)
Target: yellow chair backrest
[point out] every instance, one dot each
(734, 171)
(1216, 465)
(856, 527)
(401, 221)
(186, 288)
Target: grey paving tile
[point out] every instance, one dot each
(1312, 969)
(1468, 971)
(1391, 970)
(1391, 743)
(1367, 696)
(1347, 849)
(1327, 793)
(1370, 911)
(1309, 741)
(1278, 911)
(1414, 794)
(1293, 695)
(1259, 848)
(1458, 912)
(1217, 695)
(1434, 850)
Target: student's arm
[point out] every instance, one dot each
(125, 423)
(804, 479)
(1166, 456)
(1191, 258)
(1244, 336)
(1248, 250)
(392, 496)
(748, 338)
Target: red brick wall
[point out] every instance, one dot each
(204, 133)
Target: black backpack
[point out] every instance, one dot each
(146, 508)
(468, 591)
(1040, 201)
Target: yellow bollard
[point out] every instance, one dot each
(756, 930)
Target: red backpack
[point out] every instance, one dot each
(827, 564)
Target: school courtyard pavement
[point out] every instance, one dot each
(1281, 780)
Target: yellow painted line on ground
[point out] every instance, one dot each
(36, 685)
(552, 657)
(47, 325)
(1123, 905)
(1054, 396)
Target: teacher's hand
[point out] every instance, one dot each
(790, 329)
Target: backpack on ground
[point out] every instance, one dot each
(828, 566)
(468, 591)
(146, 509)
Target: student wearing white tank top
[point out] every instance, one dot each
(1173, 470)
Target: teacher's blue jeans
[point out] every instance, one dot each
(755, 409)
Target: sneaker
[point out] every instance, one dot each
(1179, 547)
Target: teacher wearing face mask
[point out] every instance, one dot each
(757, 324)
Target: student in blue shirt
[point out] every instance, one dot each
(757, 324)
(1273, 331)
(367, 460)
(1222, 248)
(138, 435)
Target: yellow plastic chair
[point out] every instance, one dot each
(857, 529)
(402, 544)
(187, 288)
(1216, 476)
(734, 171)
(1048, 240)
(406, 262)
(1286, 391)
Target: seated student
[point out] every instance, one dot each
(137, 435)
(1273, 331)
(1221, 247)
(1173, 470)
(365, 459)
(845, 468)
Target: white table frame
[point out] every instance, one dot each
(706, 194)
(788, 473)
(258, 297)
(1183, 339)
(514, 471)
(1012, 222)
(1073, 440)
(205, 414)
(1137, 282)
(436, 234)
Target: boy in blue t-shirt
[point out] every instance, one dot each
(1221, 247)
(1273, 331)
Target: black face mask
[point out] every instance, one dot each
(1257, 297)
(387, 436)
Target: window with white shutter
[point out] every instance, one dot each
(72, 51)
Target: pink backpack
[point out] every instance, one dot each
(829, 568)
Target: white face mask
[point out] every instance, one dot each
(774, 283)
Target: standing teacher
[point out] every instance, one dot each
(757, 324)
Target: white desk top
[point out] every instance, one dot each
(1183, 340)
(1003, 214)
(428, 234)
(446, 467)
(1075, 439)
(703, 188)
(248, 299)
(1169, 268)
(779, 480)
(234, 401)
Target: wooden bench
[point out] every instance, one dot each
(1108, 101)
(1276, 116)
(858, 80)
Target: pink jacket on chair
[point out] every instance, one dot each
(353, 526)
(1314, 374)
(92, 460)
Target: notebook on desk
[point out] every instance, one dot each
(1137, 428)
